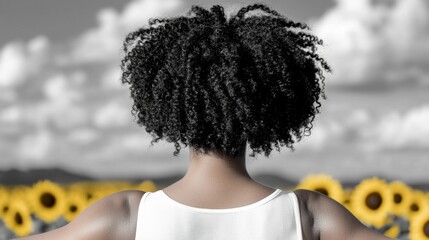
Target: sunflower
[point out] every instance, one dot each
(371, 200)
(419, 203)
(83, 187)
(76, 202)
(92, 191)
(22, 192)
(147, 186)
(4, 201)
(121, 186)
(401, 198)
(324, 184)
(48, 200)
(419, 226)
(100, 190)
(18, 218)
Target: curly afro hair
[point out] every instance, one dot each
(218, 84)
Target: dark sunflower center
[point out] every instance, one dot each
(73, 208)
(48, 200)
(414, 207)
(18, 218)
(5, 209)
(397, 198)
(426, 229)
(373, 200)
(322, 191)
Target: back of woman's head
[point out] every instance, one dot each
(215, 83)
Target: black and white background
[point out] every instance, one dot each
(62, 105)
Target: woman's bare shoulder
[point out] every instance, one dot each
(122, 198)
(305, 198)
(112, 217)
(331, 220)
(131, 198)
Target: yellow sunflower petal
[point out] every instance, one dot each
(85, 187)
(419, 203)
(419, 226)
(18, 218)
(122, 186)
(48, 200)
(76, 202)
(22, 192)
(324, 184)
(4, 201)
(402, 197)
(97, 190)
(371, 200)
(147, 186)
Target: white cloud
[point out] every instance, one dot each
(138, 12)
(38, 45)
(35, 147)
(62, 104)
(409, 24)
(56, 92)
(61, 115)
(59, 90)
(111, 79)
(78, 78)
(353, 127)
(113, 114)
(104, 43)
(407, 130)
(83, 136)
(99, 44)
(315, 141)
(7, 94)
(136, 142)
(362, 131)
(347, 128)
(370, 43)
(11, 114)
(12, 65)
(358, 118)
(18, 60)
(69, 117)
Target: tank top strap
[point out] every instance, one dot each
(297, 213)
(140, 214)
(142, 200)
(146, 194)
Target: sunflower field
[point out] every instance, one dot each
(44, 206)
(392, 208)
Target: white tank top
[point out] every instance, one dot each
(273, 218)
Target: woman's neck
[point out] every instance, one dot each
(216, 172)
(211, 177)
(215, 169)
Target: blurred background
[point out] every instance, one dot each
(62, 105)
(64, 115)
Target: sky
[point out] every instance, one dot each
(62, 103)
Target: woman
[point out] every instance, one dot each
(216, 85)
